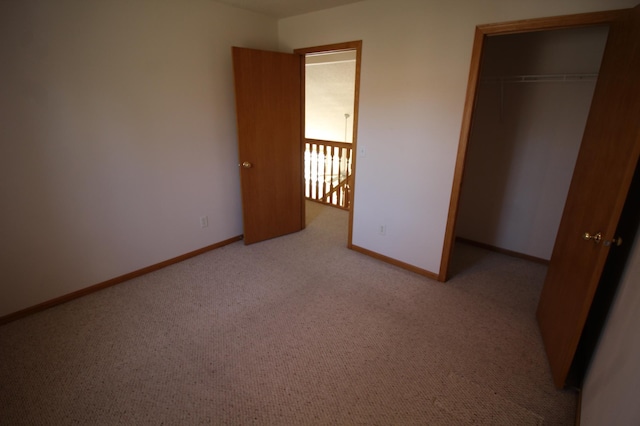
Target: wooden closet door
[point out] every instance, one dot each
(604, 169)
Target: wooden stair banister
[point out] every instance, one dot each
(327, 172)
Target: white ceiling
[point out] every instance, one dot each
(285, 8)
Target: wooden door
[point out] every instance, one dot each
(605, 166)
(269, 116)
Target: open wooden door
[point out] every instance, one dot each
(604, 169)
(269, 116)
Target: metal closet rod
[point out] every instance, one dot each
(541, 78)
(536, 78)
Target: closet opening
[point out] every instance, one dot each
(600, 177)
(533, 97)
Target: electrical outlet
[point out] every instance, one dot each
(382, 229)
(204, 221)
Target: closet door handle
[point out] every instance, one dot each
(617, 241)
(596, 238)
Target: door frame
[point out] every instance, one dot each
(331, 48)
(481, 33)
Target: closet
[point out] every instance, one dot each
(533, 99)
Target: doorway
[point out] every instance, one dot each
(329, 104)
(330, 125)
(271, 139)
(601, 179)
(534, 94)
(483, 32)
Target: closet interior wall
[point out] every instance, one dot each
(533, 99)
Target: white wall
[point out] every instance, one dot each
(117, 133)
(415, 65)
(525, 138)
(118, 127)
(610, 391)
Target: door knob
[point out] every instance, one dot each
(247, 165)
(617, 241)
(596, 238)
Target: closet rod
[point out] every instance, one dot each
(541, 78)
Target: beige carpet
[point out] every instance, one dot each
(296, 330)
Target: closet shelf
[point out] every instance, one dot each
(541, 78)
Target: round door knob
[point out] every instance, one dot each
(247, 165)
(617, 241)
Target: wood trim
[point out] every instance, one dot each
(395, 262)
(113, 281)
(503, 251)
(303, 132)
(337, 47)
(483, 31)
(551, 23)
(465, 133)
(354, 156)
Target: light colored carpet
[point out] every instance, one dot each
(295, 330)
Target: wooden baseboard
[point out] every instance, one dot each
(503, 251)
(395, 262)
(117, 280)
